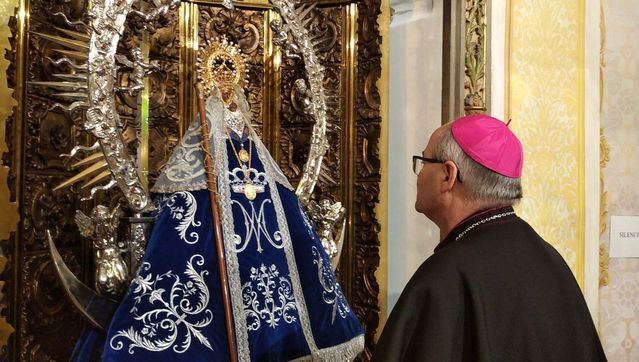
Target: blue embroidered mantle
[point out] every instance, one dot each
(287, 303)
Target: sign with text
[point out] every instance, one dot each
(624, 237)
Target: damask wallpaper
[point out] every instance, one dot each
(619, 300)
(544, 99)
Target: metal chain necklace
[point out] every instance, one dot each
(483, 221)
(244, 160)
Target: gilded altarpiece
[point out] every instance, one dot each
(36, 137)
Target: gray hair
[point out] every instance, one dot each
(483, 185)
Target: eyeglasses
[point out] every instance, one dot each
(419, 161)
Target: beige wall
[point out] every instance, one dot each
(619, 300)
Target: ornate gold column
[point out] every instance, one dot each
(382, 207)
(476, 57)
(9, 217)
(465, 61)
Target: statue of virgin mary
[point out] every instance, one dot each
(286, 303)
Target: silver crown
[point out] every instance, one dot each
(258, 180)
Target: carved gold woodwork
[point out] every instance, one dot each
(465, 66)
(350, 52)
(476, 38)
(9, 218)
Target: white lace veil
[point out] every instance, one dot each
(185, 169)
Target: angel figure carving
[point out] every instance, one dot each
(326, 216)
(110, 271)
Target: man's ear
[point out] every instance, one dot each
(450, 170)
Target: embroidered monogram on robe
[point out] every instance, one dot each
(286, 301)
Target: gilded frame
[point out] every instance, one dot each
(36, 306)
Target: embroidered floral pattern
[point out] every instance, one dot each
(160, 201)
(174, 311)
(332, 294)
(282, 225)
(269, 297)
(185, 169)
(307, 221)
(185, 214)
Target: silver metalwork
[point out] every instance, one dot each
(312, 97)
(69, 62)
(228, 4)
(102, 119)
(158, 11)
(96, 309)
(296, 21)
(68, 109)
(91, 88)
(136, 245)
(111, 273)
(326, 216)
(303, 95)
(280, 38)
(70, 23)
(77, 149)
(140, 69)
(94, 190)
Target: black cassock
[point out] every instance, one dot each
(493, 291)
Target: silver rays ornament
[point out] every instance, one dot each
(90, 51)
